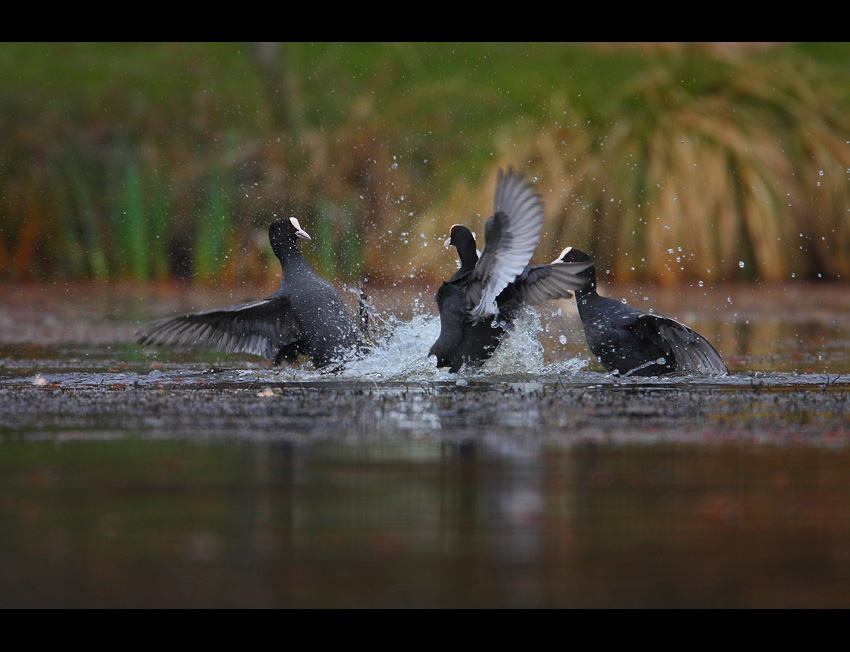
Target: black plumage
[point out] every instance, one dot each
(481, 300)
(635, 343)
(305, 316)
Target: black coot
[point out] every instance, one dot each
(481, 300)
(305, 316)
(634, 343)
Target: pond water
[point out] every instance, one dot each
(184, 478)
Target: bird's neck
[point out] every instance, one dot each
(291, 260)
(585, 296)
(468, 258)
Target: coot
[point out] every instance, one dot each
(305, 316)
(635, 343)
(480, 301)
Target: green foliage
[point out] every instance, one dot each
(212, 227)
(131, 224)
(131, 159)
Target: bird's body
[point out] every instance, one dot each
(463, 340)
(305, 316)
(634, 343)
(479, 302)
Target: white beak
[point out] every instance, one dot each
(561, 255)
(301, 233)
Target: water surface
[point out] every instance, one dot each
(153, 477)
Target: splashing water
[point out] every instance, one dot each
(520, 351)
(399, 352)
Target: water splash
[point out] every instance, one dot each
(520, 351)
(399, 352)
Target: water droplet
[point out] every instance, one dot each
(741, 264)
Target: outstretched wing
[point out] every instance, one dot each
(691, 350)
(510, 237)
(541, 283)
(259, 327)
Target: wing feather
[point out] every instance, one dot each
(690, 349)
(554, 281)
(510, 237)
(259, 327)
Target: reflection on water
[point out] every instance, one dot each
(278, 524)
(131, 477)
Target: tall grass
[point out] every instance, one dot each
(744, 179)
(212, 228)
(131, 225)
(153, 161)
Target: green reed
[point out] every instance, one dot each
(213, 226)
(76, 193)
(131, 225)
(668, 163)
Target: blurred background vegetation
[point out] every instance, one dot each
(668, 162)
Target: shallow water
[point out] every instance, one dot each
(147, 477)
